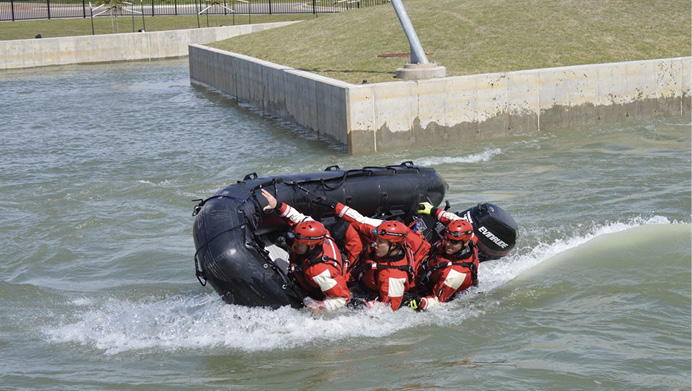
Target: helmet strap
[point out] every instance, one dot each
(396, 253)
(464, 252)
(313, 250)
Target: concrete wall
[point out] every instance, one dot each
(311, 101)
(386, 116)
(29, 53)
(427, 112)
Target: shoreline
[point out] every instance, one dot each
(378, 117)
(387, 116)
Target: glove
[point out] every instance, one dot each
(323, 200)
(416, 304)
(424, 208)
(358, 303)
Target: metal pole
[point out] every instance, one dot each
(12, 5)
(84, 8)
(417, 52)
(197, 12)
(141, 6)
(92, 19)
(48, 5)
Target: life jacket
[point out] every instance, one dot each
(350, 244)
(420, 248)
(463, 258)
(299, 264)
(402, 261)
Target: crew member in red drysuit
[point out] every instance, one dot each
(453, 262)
(396, 252)
(315, 261)
(351, 245)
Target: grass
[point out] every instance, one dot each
(471, 37)
(27, 29)
(466, 36)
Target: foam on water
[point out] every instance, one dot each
(484, 156)
(203, 321)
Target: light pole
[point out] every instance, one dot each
(417, 52)
(419, 68)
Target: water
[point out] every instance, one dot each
(99, 167)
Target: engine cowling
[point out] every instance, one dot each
(495, 228)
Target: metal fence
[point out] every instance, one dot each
(11, 10)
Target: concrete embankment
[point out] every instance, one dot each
(385, 116)
(30, 53)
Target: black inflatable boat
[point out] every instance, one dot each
(241, 250)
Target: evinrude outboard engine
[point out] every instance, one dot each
(496, 230)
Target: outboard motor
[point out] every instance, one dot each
(496, 230)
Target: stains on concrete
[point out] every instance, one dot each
(400, 115)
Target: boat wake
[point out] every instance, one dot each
(202, 321)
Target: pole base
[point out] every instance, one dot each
(421, 71)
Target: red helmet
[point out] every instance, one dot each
(310, 233)
(391, 231)
(459, 230)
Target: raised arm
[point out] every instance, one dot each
(444, 217)
(287, 212)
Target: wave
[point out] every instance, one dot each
(496, 274)
(472, 158)
(192, 321)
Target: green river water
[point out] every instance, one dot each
(100, 165)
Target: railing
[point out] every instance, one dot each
(11, 10)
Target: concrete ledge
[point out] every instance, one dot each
(386, 116)
(30, 53)
(420, 71)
